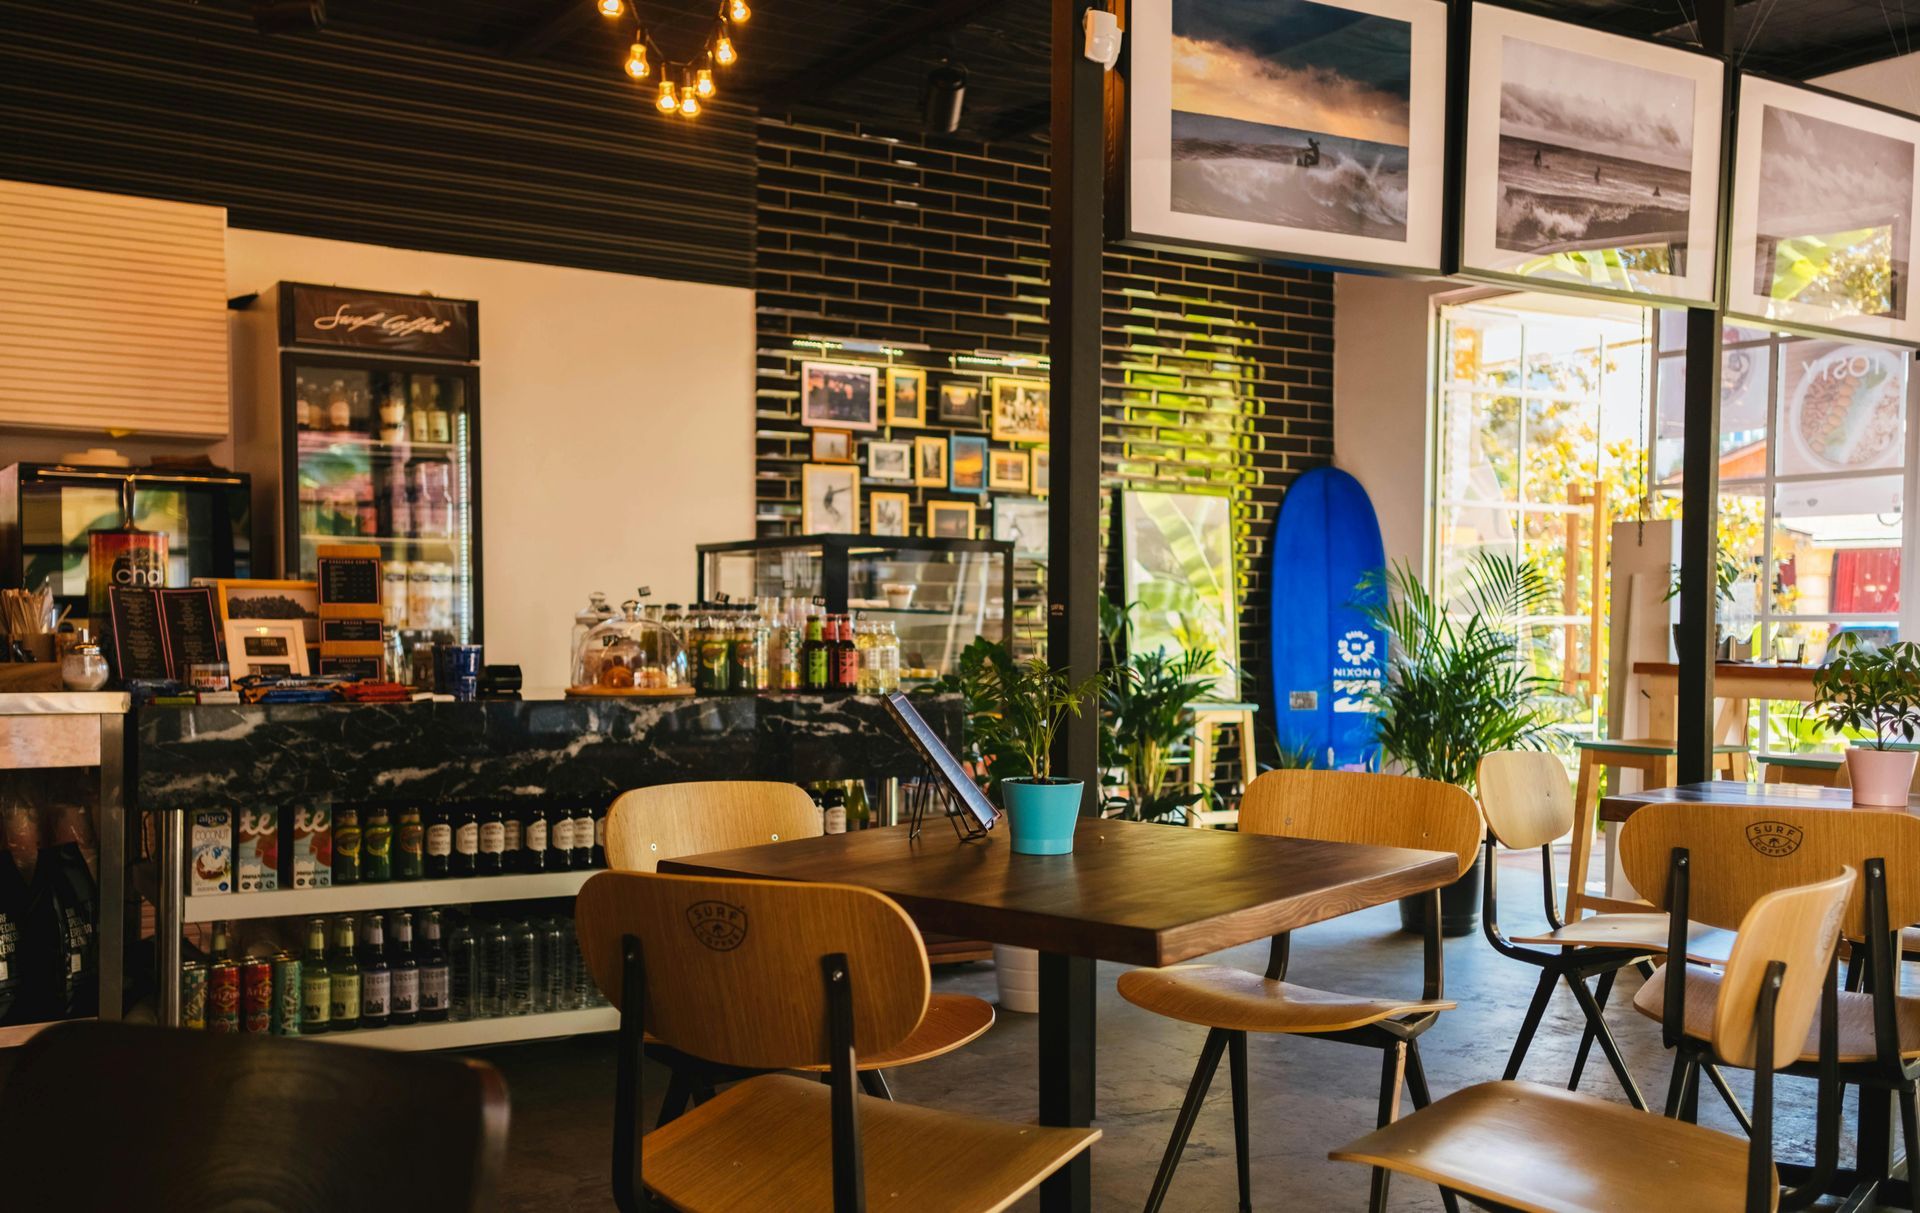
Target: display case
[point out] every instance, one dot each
(937, 593)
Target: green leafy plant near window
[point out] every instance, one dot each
(1457, 686)
(1014, 710)
(1870, 694)
(1146, 716)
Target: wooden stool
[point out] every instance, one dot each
(1820, 770)
(1206, 718)
(1654, 758)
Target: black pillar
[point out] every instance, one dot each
(1700, 475)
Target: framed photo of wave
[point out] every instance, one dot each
(1826, 199)
(1313, 130)
(1592, 160)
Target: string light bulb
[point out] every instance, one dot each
(738, 12)
(637, 65)
(667, 102)
(689, 95)
(703, 82)
(612, 8)
(723, 52)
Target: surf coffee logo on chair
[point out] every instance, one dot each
(1774, 839)
(718, 924)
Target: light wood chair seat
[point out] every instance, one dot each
(763, 1143)
(1220, 996)
(1856, 1017)
(1546, 1150)
(1640, 932)
(952, 1020)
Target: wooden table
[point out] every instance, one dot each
(1794, 795)
(1735, 684)
(1131, 892)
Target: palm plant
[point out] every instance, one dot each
(1014, 710)
(1146, 714)
(1457, 686)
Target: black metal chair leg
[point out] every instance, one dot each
(1530, 1025)
(1393, 1069)
(679, 1091)
(1910, 1131)
(1242, 1135)
(1676, 1086)
(875, 1084)
(1727, 1097)
(1189, 1111)
(1598, 1023)
(1856, 969)
(1417, 1092)
(1600, 997)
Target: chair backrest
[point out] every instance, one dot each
(1363, 807)
(1740, 852)
(1525, 796)
(733, 968)
(1800, 927)
(647, 825)
(257, 1122)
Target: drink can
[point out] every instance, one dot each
(223, 997)
(286, 995)
(256, 996)
(461, 663)
(193, 995)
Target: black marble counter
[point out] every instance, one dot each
(230, 755)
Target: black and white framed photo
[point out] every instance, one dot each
(890, 460)
(906, 396)
(930, 462)
(829, 499)
(1021, 521)
(1593, 160)
(961, 404)
(840, 394)
(1312, 129)
(889, 513)
(1824, 214)
(833, 446)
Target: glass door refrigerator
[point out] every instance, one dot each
(381, 446)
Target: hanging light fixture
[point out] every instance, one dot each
(738, 12)
(611, 8)
(637, 66)
(667, 102)
(689, 97)
(723, 52)
(703, 82)
(684, 84)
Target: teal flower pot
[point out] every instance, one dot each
(1042, 814)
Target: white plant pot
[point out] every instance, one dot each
(1881, 778)
(1017, 972)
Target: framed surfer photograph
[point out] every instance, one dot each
(1311, 129)
(890, 461)
(960, 405)
(1009, 470)
(1593, 160)
(1824, 214)
(950, 520)
(1021, 521)
(1022, 409)
(906, 396)
(969, 465)
(889, 513)
(840, 394)
(829, 499)
(930, 462)
(1177, 560)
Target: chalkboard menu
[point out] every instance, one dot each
(189, 623)
(161, 633)
(349, 631)
(332, 317)
(349, 581)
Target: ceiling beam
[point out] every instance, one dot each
(902, 32)
(561, 20)
(1854, 54)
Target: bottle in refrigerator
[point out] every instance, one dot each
(316, 981)
(466, 842)
(419, 425)
(344, 978)
(403, 1006)
(346, 846)
(435, 984)
(493, 990)
(559, 839)
(394, 602)
(439, 419)
(583, 833)
(376, 979)
(409, 845)
(493, 842)
(339, 407)
(533, 839)
(438, 859)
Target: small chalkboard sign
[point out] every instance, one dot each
(349, 581)
(350, 631)
(139, 635)
(190, 625)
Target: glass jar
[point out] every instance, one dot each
(84, 668)
(656, 657)
(587, 618)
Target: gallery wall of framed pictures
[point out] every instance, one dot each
(907, 450)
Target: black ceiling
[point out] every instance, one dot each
(868, 60)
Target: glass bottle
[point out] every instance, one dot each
(376, 846)
(520, 994)
(552, 994)
(316, 982)
(583, 832)
(376, 979)
(890, 644)
(339, 407)
(858, 811)
(466, 842)
(510, 839)
(715, 651)
(439, 420)
(393, 417)
(833, 810)
(533, 839)
(437, 862)
(463, 971)
(814, 654)
(559, 838)
(435, 991)
(595, 613)
(846, 657)
(403, 1005)
(409, 846)
(489, 861)
(793, 675)
(598, 856)
(346, 846)
(344, 979)
(863, 643)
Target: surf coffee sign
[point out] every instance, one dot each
(333, 317)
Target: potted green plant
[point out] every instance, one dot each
(1727, 571)
(1146, 717)
(1873, 694)
(1458, 687)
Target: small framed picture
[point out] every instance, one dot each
(829, 499)
(950, 519)
(268, 600)
(1042, 471)
(1008, 470)
(1022, 521)
(960, 405)
(841, 395)
(930, 462)
(889, 513)
(906, 396)
(890, 460)
(1021, 411)
(833, 446)
(276, 647)
(969, 460)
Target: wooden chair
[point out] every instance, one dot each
(119, 1116)
(1517, 1146)
(1657, 761)
(1528, 803)
(1331, 806)
(648, 825)
(771, 975)
(1734, 855)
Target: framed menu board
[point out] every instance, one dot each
(160, 634)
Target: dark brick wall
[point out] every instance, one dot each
(1218, 373)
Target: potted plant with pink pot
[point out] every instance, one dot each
(1873, 695)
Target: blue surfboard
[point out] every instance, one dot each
(1326, 656)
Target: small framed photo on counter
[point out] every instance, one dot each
(889, 513)
(950, 519)
(906, 396)
(890, 461)
(829, 499)
(266, 646)
(833, 446)
(1008, 470)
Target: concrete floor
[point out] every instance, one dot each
(1307, 1096)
